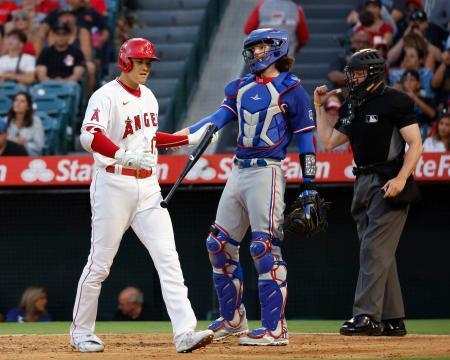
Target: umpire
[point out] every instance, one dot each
(377, 120)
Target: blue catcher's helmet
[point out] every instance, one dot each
(278, 41)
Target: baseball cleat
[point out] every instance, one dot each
(194, 340)
(264, 337)
(87, 344)
(237, 326)
(223, 329)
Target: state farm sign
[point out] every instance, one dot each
(210, 169)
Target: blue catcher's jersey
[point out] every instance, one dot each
(268, 114)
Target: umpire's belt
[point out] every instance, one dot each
(137, 173)
(386, 167)
(248, 163)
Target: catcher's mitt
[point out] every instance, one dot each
(308, 214)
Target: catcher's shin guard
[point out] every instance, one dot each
(272, 283)
(227, 273)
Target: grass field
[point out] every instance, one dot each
(428, 327)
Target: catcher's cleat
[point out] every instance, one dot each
(361, 325)
(266, 337)
(223, 328)
(87, 343)
(194, 340)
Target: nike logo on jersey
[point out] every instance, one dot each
(256, 97)
(125, 102)
(370, 119)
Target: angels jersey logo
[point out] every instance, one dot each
(95, 115)
(148, 120)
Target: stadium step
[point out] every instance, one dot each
(167, 34)
(170, 17)
(324, 10)
(327, 26)
(311, 70)
(170, 4)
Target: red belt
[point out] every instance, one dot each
(138, 174)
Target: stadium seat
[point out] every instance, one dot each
(10, 89)
(163, 103)
(55, 107)
(174, 52)
(5, 105)
(51, 130)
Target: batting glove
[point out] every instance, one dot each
(195, 138)
(136, 159)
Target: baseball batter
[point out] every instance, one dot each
(270, 106)
(120, 129)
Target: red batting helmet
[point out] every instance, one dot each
(135, 48)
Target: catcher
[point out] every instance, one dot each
(270, 107)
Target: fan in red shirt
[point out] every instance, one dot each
(280, 14)
(371, 22)
(6, 7)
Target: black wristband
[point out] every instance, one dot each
(308, 164)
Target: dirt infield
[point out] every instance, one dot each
(159, 346)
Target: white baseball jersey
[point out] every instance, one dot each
(127, 120)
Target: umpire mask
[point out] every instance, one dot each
(372, 63)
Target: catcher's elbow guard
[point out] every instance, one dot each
(86, 139)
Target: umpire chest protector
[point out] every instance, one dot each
(261, 120)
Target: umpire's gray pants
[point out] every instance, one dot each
(378, 293)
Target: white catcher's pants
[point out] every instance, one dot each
(117, 202)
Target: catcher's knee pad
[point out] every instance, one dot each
(224, 257)
(272, 272)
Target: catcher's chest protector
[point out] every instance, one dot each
(261, 121)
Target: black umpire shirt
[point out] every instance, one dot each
(374, 131)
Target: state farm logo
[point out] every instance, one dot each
(201, 170)
(37, 171)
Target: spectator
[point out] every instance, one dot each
(387, 9)
(280, 14)
(440, 14)
(21, 20)
(423, 106)
(131, 306)
(440, 140)
(35, 13)
(411, 38)
(413, 60)
(62, 61)
(79, 37)
(332, 106)
(2, 317)
(32, 307)
(377, 27)
(90, 19)
(9, 148)
(441, 78)
(24, 128)
(15, 65)
(6, 7)
(360, 40)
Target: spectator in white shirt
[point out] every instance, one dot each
(440, 140)
(25, 128)
(15, 65)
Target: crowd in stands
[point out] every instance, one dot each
(413, 36)
(69, 42)
(49, 41)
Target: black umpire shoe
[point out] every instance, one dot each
(393, 327)
(361, 325)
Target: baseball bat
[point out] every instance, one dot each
(193, 158)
